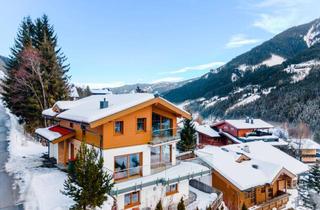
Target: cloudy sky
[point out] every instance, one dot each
(110, 43)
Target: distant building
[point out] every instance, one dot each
(253, 174)
(248, 130)
(208, 136)
(103, 91)
(307, 149)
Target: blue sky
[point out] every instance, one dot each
(110, 43)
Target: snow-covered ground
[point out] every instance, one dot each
(203, 199)
(40, 188)
(301, 71)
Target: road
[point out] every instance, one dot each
(8, 196)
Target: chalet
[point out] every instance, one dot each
(208, 136)
(136, 134)
(248, 130)
(253, 174)
(307, 149)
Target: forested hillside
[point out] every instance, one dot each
(277, 80)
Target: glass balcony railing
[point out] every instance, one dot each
(165, 135)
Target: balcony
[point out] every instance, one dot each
(161, 136)
(278, 202)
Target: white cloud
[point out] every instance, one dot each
(94, 85)
(275, 16)
(240, 40)
(167, 79)
(201, 67)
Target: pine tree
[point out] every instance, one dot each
(159, 206)
(36, 74)
(181, 205)
(87, 183)
(309, 186)
(188, 136)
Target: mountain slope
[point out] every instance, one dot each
(160, 87)
(221, 82)
(282, 87)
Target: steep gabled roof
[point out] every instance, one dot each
(242, 124)
(87, 110)
(262, 165)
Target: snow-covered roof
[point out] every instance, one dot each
(49, 112)
(48, 134)
(206, 129)
(242, 124)
(264, 164)
(304, 144)
(100, 91)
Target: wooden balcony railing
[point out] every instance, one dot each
(277, 202)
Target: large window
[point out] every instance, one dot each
(131, 199)
(161, 126)
(118, 127)
(171, 189)
(160, 156)
(127, 165)
(141, 124)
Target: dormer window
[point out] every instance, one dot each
(118, 127)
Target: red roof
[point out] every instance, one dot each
(63, 131)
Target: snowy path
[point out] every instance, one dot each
(8, 196)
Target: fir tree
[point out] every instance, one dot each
(181, 205)
(36, 74)
(159, 206)
(309, 186)
(188, 136)
(87, 184)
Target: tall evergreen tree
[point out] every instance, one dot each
(181, 205)
(188, 136)
(159, 206)
(87, 183)
(309, 187)
(36, 72)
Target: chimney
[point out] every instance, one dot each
(247, 120)
(251, 120)
(104, 104)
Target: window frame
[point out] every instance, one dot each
(131, 204)
(121, 128)
(171, 192)
(144, 125)
(127, 156)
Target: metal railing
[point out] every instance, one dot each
(165, 135)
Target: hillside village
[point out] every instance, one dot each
(244, 136)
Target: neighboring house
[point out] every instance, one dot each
(248, 130)
(307, 149)
(208, 136)
(254, 174)
(136, 134)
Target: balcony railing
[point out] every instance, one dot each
(277, 202)
(127, 173)
(165, 135)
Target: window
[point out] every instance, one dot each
(171, 189)
(160, 156)
(161, 126)
(131, 199)
(141, 124)
(71, 125)
(127, 165)
(118, 127)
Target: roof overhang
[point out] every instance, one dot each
(55, 134)
(174, 109)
